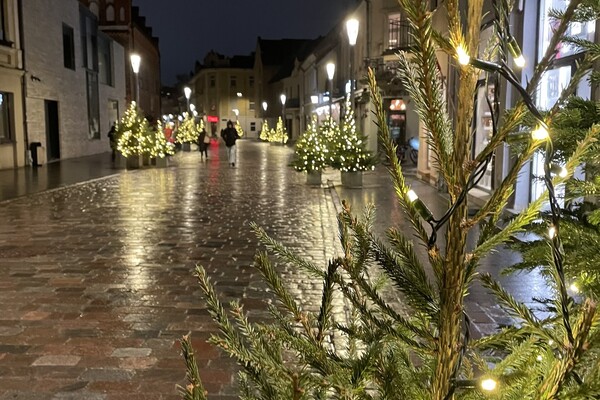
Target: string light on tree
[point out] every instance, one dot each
(311, 150)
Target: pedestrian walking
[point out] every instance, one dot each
(203, 142)
(112, 137)
(230, 135)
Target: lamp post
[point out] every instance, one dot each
(352, 30)
(136, 60)
(283, 99)
(188, 93)
(264, 106)
(330, 74)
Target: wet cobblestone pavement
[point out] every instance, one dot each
(96, 280)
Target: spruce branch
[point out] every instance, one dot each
(194, 390)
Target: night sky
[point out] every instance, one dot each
(188, 29)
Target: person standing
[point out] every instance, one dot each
(203, 142)
(230, 135)
(112, 137)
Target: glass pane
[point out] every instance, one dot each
(552, 84)
(547, 27)
(4, 117)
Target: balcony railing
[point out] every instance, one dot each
(399, 37)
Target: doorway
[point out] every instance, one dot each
(52, 132)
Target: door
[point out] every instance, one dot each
(52, 132)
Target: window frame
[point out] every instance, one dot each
(68, 43)
(8, 114)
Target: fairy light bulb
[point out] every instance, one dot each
(540, 133)
(520, 61)
(462, 55)
(489, 384)
(574, 288)
(552, 232)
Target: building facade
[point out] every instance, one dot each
(123, 22)
(223, 89)
(13, 138)
(74, 84)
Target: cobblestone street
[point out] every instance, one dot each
(96, 278)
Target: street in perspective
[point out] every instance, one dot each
(97, 279)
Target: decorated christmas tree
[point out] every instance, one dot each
(425, 349)
(349, 148)
(279, 134)
(311, 150)
(188, 130)
(238, 128)
(132, 133)
(161, 147)
(265, 131)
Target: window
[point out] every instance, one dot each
(122, 14)
(251, 105)
(5, 117)
(94, 8)
(68, 47)
(213, 81)
(398, 32)
(110, 13)
(93, 105)
(3, 35)
(89, 39)
(251, 81)
(233, 81)
(547, 26)
(105, 62)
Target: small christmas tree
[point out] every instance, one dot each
(161, 147)
(265, 131)
(279, 135)
(311, 150)
(188, 130)
(238, 128)
(348, 147)
(132, 133)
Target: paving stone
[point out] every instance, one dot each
(131, 352)
(56, 360)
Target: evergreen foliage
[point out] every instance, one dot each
(279, 134)
(376, 350)
(265, 131)
(161, 147)
(188, 130)
(311, 150)
(238, 128)
(348, 148)
(132, 133)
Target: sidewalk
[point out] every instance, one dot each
(28, 180)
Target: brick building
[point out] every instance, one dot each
(122, 21)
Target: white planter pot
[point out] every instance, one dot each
(133, 162)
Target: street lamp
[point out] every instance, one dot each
(188, 93)
(352, 30)
(330, 74)
(136, 60)
(264, 106)
(283, 98)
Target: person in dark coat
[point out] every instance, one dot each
(230, 135)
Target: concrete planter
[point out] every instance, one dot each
(133, 162)
(352, 179)
(185, 147)
(313, 178)
(120, 161)
(146, 159)
(161, 162)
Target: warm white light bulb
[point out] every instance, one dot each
(539, 133)
(574, 288)
(463, 56)
(520, 61)
(412, 196)
(489, 384)
(539, 358)
(563, 172)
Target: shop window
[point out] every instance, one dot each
(585, 30)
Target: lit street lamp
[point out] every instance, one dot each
(283, 98)
(188, 93)
(352, 30)
(330, 74)
(136, 60)
(264, 106)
